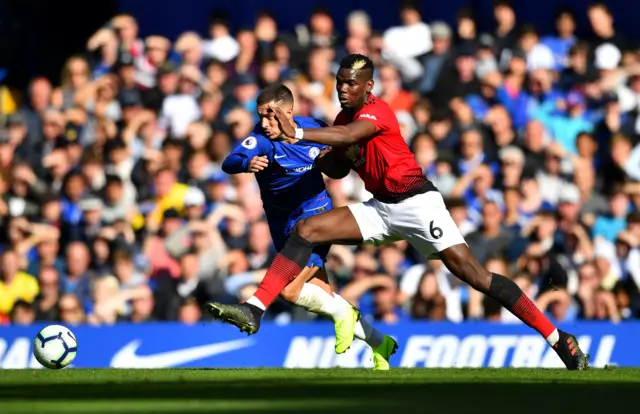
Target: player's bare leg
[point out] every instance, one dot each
(311, 290)
(337, 224)
(291, 292)
(464, 265)
(383, 346)
(316, 296)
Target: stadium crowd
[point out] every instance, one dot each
(113, 206)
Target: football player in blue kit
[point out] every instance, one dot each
(292, 188)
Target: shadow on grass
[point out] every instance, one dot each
(469, 397)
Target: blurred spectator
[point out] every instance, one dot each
(460, 81)
(189, 313)
(181, 108)
(505, 30)
(33, 111)
(428, 303)
(222, 46)
(608, 226)
(77, 278)
(75, 76)
(22, 313)
(491, 240)
(564, 39)
(602, 26)
(576, 71)
(50, 292)
(15, 284)
(413, 38)
(70, 310)
(189, 46)
(392, 92)
(142, 306)
(435, 61)
(108, 304)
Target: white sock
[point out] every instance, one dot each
(314, 299)
(553, 338)
(364, 330)
(256, 302)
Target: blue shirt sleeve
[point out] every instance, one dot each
(252, 146)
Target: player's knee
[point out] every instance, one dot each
(468, 269)
(290, 293)
(306, 229)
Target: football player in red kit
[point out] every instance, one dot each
(406, 206)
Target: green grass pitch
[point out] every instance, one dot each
(333, 391)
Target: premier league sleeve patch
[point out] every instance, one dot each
(250, 143)
(313, 152)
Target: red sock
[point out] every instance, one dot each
(506, 292)
(529, 313)
(281, 272)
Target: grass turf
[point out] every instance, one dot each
(317, 391)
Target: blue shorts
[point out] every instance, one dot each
(281, 225)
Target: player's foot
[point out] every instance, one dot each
(570, 353)
(345, 329)
(382, 354)
(244, 316)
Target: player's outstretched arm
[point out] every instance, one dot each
(236, 164)
(336, 136)
(249, 156)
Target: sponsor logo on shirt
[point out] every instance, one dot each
(300, 169)
(368, 116)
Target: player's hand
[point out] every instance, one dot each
(258, 163)
(324, 152)
(285, 126)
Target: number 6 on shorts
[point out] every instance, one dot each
(436, 232)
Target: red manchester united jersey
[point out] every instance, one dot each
(384, 161)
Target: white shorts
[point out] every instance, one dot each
(423, 220)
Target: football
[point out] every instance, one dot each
(55, 347)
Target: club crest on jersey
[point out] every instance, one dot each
(250, 143)
(353, 153)
(313, 152)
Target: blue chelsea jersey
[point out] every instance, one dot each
(291, 177)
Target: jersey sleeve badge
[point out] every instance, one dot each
(250, 143)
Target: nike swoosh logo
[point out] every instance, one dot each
(279, 156)
(126, 357)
